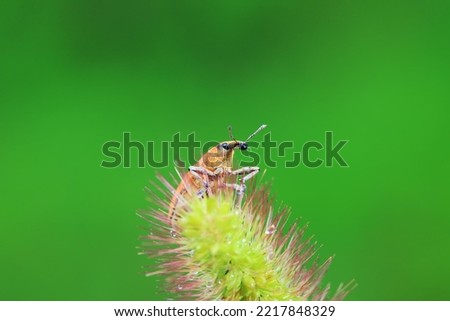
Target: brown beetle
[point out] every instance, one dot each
(210, 172)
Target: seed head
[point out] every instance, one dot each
(216, 250)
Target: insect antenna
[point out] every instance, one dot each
(230, 133)
(256, 132)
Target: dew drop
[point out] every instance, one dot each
(272, 229)
(173, 233)
(179, 287)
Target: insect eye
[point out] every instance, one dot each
(243, 146)
(225, 146)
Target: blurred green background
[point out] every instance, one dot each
(75, 74)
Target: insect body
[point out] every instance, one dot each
(210, 172)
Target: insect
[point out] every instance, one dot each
(209, 173)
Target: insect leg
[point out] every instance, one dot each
(197, 171)
(240, 189)
(249, 172)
